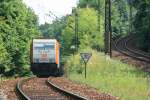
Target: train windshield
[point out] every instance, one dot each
(44, 53)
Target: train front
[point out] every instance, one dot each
(45, 57)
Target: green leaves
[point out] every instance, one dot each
(142, 25)
(89, 36)
(54, 30)
(18, 25)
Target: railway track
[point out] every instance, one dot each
(43, 89)
(135, 50)
(122, 45)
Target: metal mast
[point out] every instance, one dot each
(76, 29)
(108, 30)
(99, 17)
(130, 17)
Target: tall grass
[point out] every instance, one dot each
(110, 76)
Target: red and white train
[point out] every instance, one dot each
(45, 57)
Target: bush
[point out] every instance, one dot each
(75, 64)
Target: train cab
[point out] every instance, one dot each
(45, 57)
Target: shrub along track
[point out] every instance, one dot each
(123, 45)
(42, 89)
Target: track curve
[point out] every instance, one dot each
(42, 89)
(135, 50)
(122, 46)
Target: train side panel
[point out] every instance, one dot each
(57, 54)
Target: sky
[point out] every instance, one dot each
(58, 7)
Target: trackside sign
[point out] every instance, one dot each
(85, 57)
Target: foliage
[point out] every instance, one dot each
(120, 16)
(18, 25)
(110, 76)
(142, 24)
(87, 30)
(92, 3)
(122, 20)
(54, 29)
(4, 57)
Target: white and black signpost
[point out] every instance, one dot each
(85, 57)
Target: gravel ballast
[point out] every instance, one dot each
(82, 90)
(7, 89)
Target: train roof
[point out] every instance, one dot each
(44, 40)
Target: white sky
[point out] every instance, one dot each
(58, 7)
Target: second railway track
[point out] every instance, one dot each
(42, 89)
(122, 46)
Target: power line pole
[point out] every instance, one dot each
(108, 30)
(99, 17)
(130, 17)
(120, 24)
(87, 3)
(76, 30)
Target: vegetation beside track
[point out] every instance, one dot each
(18, 25)
(5, 79)
(110, 76)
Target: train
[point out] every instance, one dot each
(45, 57)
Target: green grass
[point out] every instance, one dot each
(111, 76)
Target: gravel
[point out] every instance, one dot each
(7, 89)
(129, 60)
(37, 89)
(2, 95)
(82, 90)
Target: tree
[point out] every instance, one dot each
(54, 29)
(19, 26)
(142, 24)
(87, 28)
(120, 17)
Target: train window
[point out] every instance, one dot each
(36, 60)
